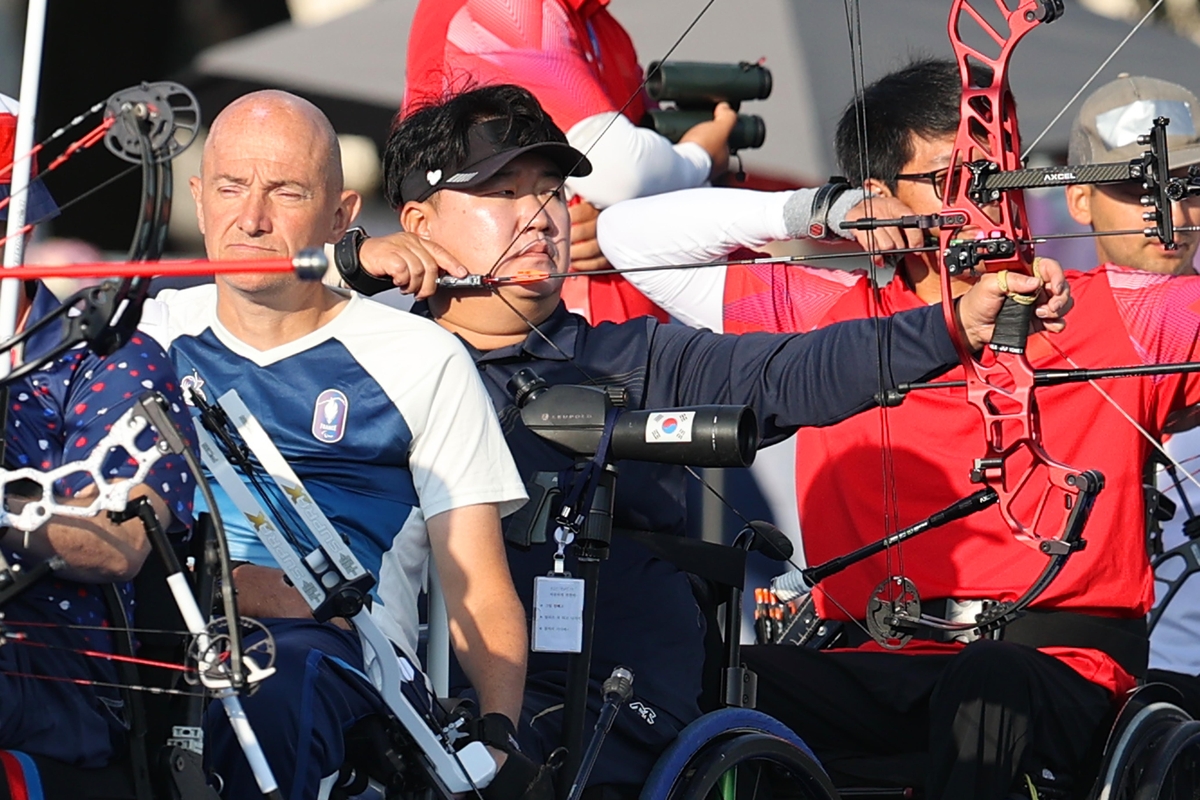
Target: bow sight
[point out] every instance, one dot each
(573, 418)
(986, 183)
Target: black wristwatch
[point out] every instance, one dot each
(823, 200)
(345, 257)
(496, 730)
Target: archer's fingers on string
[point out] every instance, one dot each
(865, 240)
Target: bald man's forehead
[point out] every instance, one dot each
(295, 142)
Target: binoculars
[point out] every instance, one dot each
(695, 88)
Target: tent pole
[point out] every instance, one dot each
(14, 249)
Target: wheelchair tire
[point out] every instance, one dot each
(716, 726)
(1173, 772)
(753, 766)
(1121, 773)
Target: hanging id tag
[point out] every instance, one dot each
(557, 614)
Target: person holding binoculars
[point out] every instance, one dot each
(581, 65)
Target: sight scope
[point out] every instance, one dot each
(571, 418)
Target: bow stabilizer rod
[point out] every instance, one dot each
(1052, 377)
(988, 183)
(972, 504)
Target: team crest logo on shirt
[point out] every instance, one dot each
(329, 416)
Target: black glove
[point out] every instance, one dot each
(521, 779)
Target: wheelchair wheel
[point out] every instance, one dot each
(1134, 749)
(753, 766)
(698, 738)
(1173, 772)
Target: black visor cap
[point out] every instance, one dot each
(489, 150)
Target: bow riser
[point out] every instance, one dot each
(1036, 492)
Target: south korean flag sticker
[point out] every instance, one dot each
(671, 427)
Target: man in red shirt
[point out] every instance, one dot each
(1105, 131)
(582, 67)
(991, 712)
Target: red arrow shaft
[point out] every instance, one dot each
(139, 269)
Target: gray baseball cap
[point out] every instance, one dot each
(1113, 116)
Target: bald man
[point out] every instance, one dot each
(382, 417)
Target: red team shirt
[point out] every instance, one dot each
(571, 54)
(1120, 317)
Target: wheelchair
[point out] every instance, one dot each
(162, 759)
(1149, 749)
(730, 752)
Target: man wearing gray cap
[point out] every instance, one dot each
(1106, 130)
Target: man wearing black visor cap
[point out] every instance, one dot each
(477, 181)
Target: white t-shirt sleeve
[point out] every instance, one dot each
(628, 161)
(459, 456)
(179, 312)
(689, 227)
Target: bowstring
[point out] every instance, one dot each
(10, 623)
(807, 257)
(99, 655)
(28, 226)
(583, 156)
(853, 15)
(138, 253)
(103, 684)
(89, 139)
(1129, 418)
(1154, 443)
(854, 29)
(74, 123)
(1088, 82)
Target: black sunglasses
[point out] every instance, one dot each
(936, 178)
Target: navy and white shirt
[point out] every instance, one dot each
(382, 417)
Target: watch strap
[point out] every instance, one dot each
(345, 257)
(823, 200)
